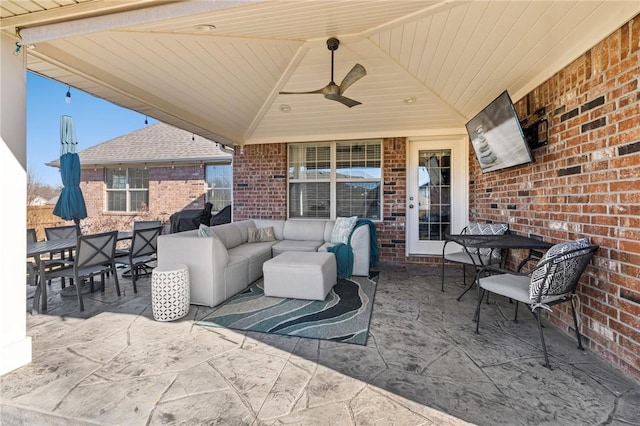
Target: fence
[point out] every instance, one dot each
(40, 217)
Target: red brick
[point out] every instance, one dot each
(635, 34)
(630, 246)
(626, 331)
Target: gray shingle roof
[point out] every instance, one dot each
(156, 143)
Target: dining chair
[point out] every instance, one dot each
(142, 224)
(33, 269)
(553, 281)
(476, 257)
(59, 233)
(143, 249)
(33, 272)
(95, 254)
(139, 224)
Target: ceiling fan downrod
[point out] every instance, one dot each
(332, 45)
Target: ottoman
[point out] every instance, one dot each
(170, 292)
(300, 275)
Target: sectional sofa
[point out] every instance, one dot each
(226, 263)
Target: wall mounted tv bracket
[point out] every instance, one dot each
(536, 129)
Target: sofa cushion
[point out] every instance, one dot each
(328, 229)
(233, 234)
(304, 230)
(256, 254)
(244, 226)
(325, 246)
(295, 245)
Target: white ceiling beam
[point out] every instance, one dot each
(113, 21)
(68, 12)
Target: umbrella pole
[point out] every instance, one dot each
(77, 222)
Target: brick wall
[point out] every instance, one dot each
(585, 183)
(170, 190)
(391, 231)
(260, 191)
(260, 182)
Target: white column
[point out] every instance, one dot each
(15, 346)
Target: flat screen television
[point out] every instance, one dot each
(497, 137)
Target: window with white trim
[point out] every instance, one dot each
(127, 189)
(219, 185)
(335, 179)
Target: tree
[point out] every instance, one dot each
(35, 187)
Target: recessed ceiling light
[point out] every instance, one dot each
(285, 108)
(203, 28)
(409, 100)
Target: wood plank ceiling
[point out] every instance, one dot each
(452, 57)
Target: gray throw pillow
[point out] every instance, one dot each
(261, 235)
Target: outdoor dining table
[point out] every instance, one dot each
(504, 242)
(39, 248)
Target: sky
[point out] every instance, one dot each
(95, 121)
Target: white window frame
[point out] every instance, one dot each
(127, 190)
(333, 179)
(210, 188)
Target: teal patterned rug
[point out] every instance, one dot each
(344, 315)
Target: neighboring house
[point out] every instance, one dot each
(150, 174)
(38, 201)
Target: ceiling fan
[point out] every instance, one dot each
(332, 90)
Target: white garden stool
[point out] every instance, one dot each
(170, 295)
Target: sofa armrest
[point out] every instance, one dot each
(361, 247)
(206, 258)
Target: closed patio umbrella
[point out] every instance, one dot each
(70, 205)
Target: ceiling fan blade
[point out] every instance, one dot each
(356, 73)
(330, 88)
(343, 100)
(303, 93)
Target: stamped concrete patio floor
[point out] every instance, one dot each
(423, 364)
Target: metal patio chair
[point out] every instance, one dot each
(95, 254)
(553, 281)
(143, 249)
(58, 233)
(33, 272)
(140, 224)
(476, 257)
(143, 224)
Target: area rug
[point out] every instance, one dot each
(344, 316)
